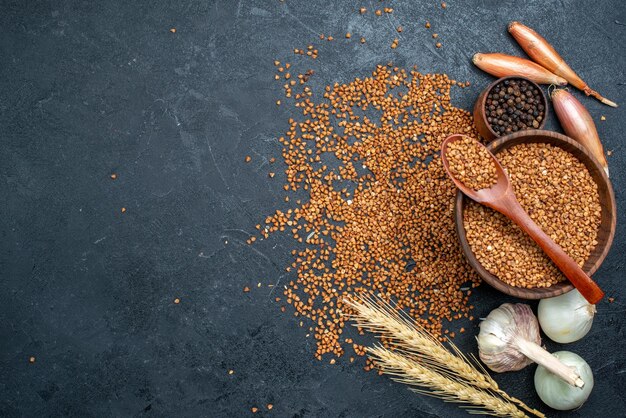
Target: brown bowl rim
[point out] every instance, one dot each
(559, 288)
(482, 98)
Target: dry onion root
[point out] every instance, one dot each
(545, 55)
(502, 65)
(578, 124)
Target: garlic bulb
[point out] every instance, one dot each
(557, 394)
(566, 318)
(509, 340)
(502, 326)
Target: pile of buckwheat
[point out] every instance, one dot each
(378, 218)
(471, 164)
(559, 194)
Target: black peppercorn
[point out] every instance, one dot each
(514, 105)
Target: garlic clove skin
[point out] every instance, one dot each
(497, 346)
(509, 340)
(555, 392)
(566, 318)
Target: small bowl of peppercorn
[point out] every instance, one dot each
(509, 105)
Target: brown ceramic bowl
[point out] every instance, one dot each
(480, 118)
(606, 231)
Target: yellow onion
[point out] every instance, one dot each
(502, 65)
(545, 55)
(578, 124)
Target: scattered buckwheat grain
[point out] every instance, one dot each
(379, 217)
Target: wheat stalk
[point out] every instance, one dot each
(406, 370)
(379, 317)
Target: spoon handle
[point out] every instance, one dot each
(570, 269)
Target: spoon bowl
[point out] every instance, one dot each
(484, 196)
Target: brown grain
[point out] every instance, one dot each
(559, 194)
(470, 163)
(379, 219)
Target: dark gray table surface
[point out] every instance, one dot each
(90, 88)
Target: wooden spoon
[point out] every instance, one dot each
(501, 198)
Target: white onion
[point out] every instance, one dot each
(566, 318)
(555, 392)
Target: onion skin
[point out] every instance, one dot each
(502, 65)
(566, 318)
(545, 55)
(578, 124)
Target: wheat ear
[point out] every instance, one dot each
(406, 370)
(379, 317)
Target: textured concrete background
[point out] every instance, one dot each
(93, 88)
